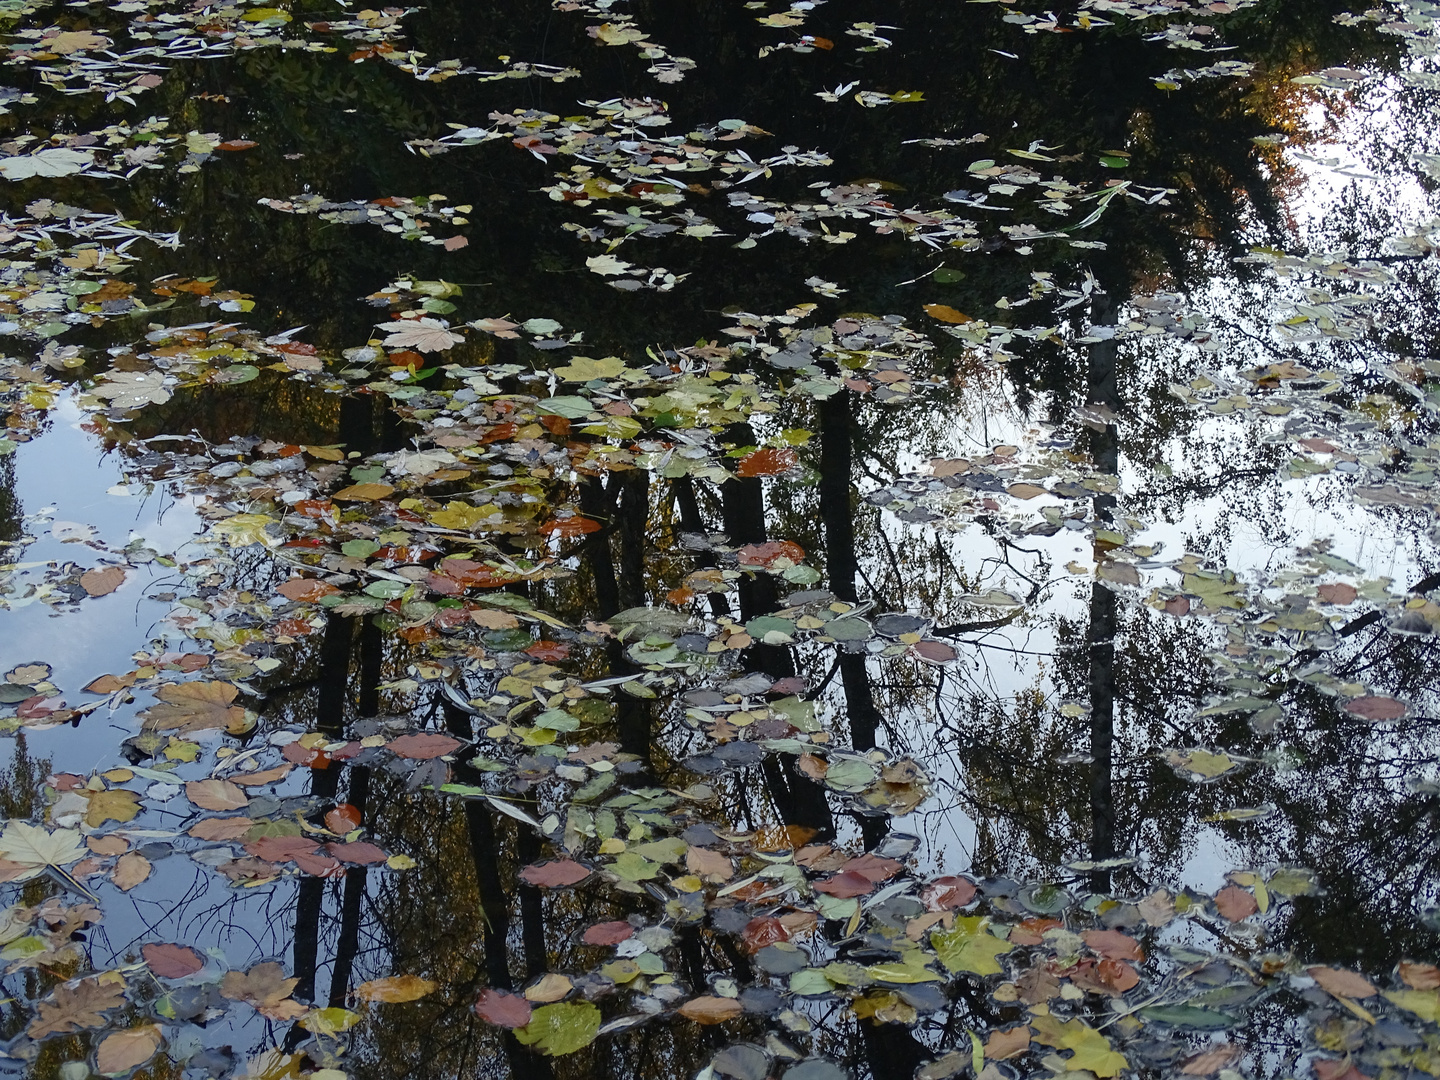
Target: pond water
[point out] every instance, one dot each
(568, 538)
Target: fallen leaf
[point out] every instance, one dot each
(396, 988)
(305, 590)
(266, 988)
(1235, 903)
(946, 313)
(130, 870)
(230, 828)
(1377, 708)
(216, 795)
(551, 987)
(362, 493)
(26, 850)
(710, 865)
(102, 582)
(260, 778)
(607, 933)
(556, 874)
(117, 804)
(196, 706)
(1342, 983)
(562, 1028)
(74, 1008)
(126, 1050)
(1007, 1043)
(1211, 1061)
(1113, 945)
(172, 961)
(502, 1009)
(710, 1009)
(423, 747)
(768, 461)
(1419, 976)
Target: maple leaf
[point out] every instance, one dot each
(266, 988)
(1092, 1050)
(114, 805)
(74, 1008)
(969, 946)
(29, 849)
(426, 335)
(196, 706)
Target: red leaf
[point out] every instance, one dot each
(423, 747)
(845, 885)
(947, 893)
(1113, 945)
(608, 933)
(360, 853)
(502, 1009)
(305, 590)
(767, 553)
(556, 874)
(768, 461)
(236, 144)
(872, 867)
(763, 931)
(280, 848)
(936, 652)
(172, 961)
(571, 526)
(548, 650)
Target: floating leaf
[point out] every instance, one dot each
(266, 988)
(26, 850)
(969, 946)
(556, 874)
(396, 988)
(74, 1008)
(710, 1009)
(197, 706)
(126, 1050)
(561, 1028)
(502, 1009)
(172, 961)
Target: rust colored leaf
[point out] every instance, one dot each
(1420, 976)
(570, 526)
(423, 747)
(1337, 592)
(607, 933)
(1113, 945)
(555, 874)
(172, 961)
(130, 870)
(935, 652)
(768, 461)
(502, 1009)
(768, 553)
(762, 931)
(947, 893)
(305, 590)
(1377, 708)
(872, 867)
(947, 314)
(359, 853)
(1210, 1061)
(710, 1010)
(264, 776)
(74, 1008)
(1343, 1069)
(196, 706)
(845, 884)
(1007, 1043)
(237, 144)
(266, 988)
(343, 818)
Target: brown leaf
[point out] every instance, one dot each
(130, 870)
(502, 1009)
(710, 1010)
(281, 848)
(872, 867)
(556, 874)
(1341, 983)
(423, 747)
(395, 988)
(1037, 984)
(1158, 908)
(1210, 1061)
(1337, 593)
(935, 652)
(455, 243)
(607, 933)
(172, 961)
(845, 885)
(108, 684)
(266, 988)
(229, 828)
(362, 493)
(262, 777)
(107, 845)
(1007, 1043)
(102, 582)
(126, 1050)
(1113, 945)
(305, 590)
(73, 1008)
(946, 313)
(196, 706)
(491, 619)
(1420, 976)
(359, 853)
(1235, 903)
(947, 893)
(710, 865)
(1377, 708)
(215, 795)
(1342, 1069)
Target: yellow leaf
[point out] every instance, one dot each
(946, 313)
(1092, 1051)
(114, 805)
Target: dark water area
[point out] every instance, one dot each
(583, 539)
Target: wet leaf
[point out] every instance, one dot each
(126, 1050)
(196, 706)
(710, 1009)
(502, 1009)
(117, 804)
(216, 795)
(74, 1008)
(172, 961)
(266, 988)
(398, 988)
(561, 1028)
(1342, 983)
(26, 850)
(1092, 1050)
(102, 582)
(423, 747)
(556, 874)
(608, 933)
(969, 946)
(1235, 903)
(130, 870)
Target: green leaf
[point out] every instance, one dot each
(1191, 1016)
(969, 946)
(946, 276)
(359, 549)
(1423, 1003)
(561, 1028)
(570, 406)
(632, 866)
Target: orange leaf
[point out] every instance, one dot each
(768, 461)
(946, 313)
